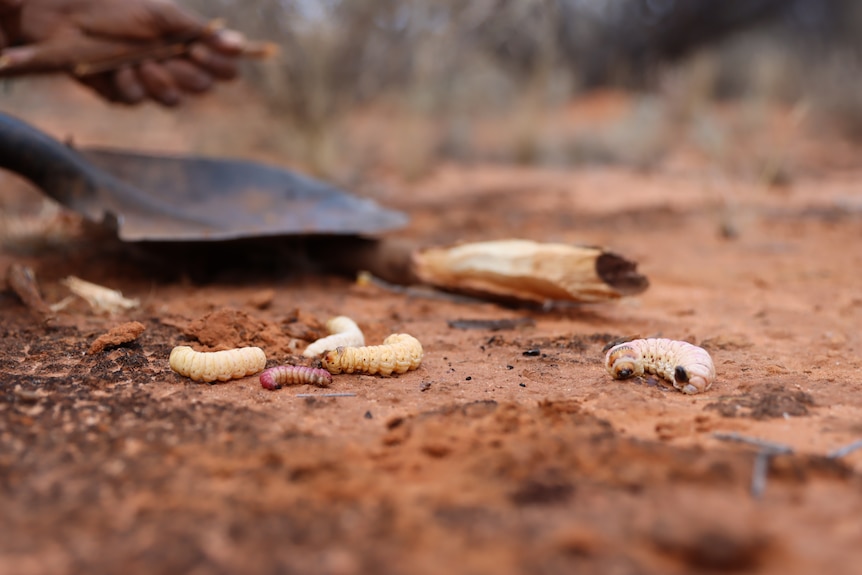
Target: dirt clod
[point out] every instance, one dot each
(229, 328)
(119, 335)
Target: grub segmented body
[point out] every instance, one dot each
(399, 353)
(274, 377)
(688, 367)
(343, 333)
(217, 365)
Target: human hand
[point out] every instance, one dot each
(62, 35)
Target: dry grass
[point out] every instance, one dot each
(362, 85)
(491, 80)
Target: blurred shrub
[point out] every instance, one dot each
(438, 70)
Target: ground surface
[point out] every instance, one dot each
(486, 459)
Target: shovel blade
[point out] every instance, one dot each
(204, 198)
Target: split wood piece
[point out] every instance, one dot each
(531, 271)
(508, 270)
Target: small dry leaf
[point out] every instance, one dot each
(100, 298)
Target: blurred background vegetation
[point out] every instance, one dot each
(362, 85)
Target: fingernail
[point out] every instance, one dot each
(17, 56)
(231, 38)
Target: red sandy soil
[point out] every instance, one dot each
(486, 459)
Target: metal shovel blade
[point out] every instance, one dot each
(222, 199)
(149, 197)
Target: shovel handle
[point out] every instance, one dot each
(50, 165)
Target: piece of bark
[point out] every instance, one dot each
(22, 280)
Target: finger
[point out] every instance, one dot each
(158, 83)
(139, 20)
(166, 18)
(221, 66)
(23, 59)
(187, 76)
(128, 87)
(9, 20)
(62, 53)
(105, 86)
